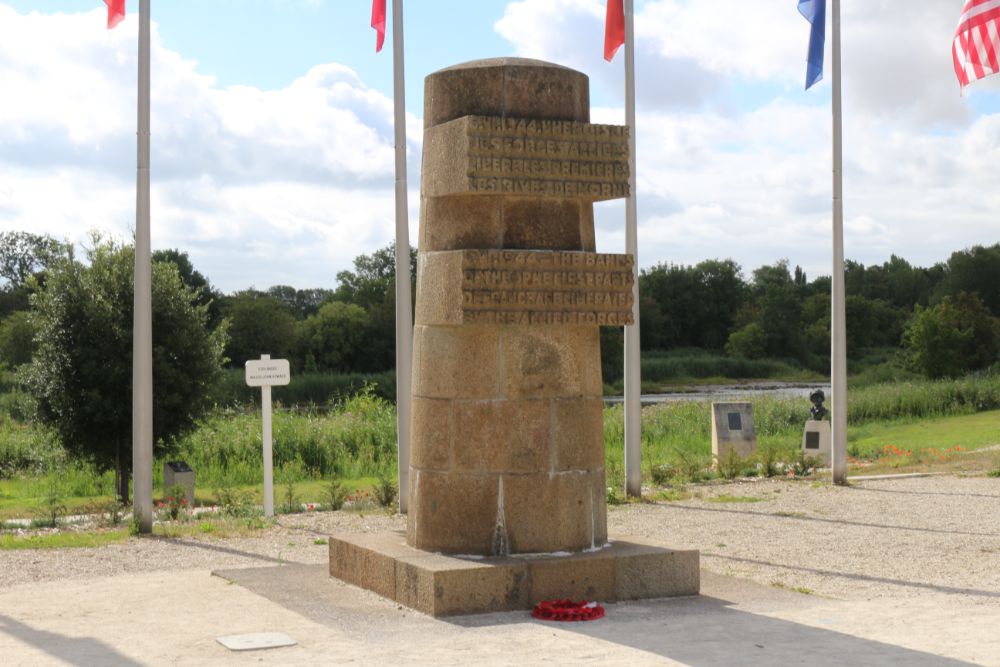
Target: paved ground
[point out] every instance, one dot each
(857, 614)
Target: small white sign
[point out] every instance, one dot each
(267, 372)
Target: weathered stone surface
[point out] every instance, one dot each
(452, 513)
(456, 362)
(592, 575)
(461, 222)
(502, 436)
(527, 157)
(816, 441)
(551, 224)
(733, 428)
(530, 287)
(551, 362)
(513, 87)
(441, 585)
(578, 433)
(510, 295)
(553, 512)
(431, 434)
(647, 571)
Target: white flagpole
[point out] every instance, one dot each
(142, 332)
(404, 310)
(838, 334)
(633, 416)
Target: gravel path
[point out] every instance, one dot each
(880, 538)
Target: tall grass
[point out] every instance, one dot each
(305, 388)
(357, 438)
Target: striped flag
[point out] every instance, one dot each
(378, 22)
(977, 41)
(814, 11)
(116, 12)
(614, 28)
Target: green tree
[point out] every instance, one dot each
(17, 342)
(207, 295)
(952, 337)
(81, 373)
(258, 324)
(977, 270)
(334, 338)
(372, 285)
(22, 254)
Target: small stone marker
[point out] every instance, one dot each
(255, 641)
(816, 441)
(732, 428)
(179, 473)
(264, 373)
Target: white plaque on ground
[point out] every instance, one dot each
(267, 372)
(255, 641)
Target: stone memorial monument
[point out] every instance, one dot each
(732, 428)
(816, 436)
(507, 462)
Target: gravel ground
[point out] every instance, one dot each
(875, 539)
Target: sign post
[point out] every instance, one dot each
(265, 373)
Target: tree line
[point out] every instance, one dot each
(65, 326)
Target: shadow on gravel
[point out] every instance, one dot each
(703, 631)
(795, 517)
(83, 651)
(925, 493)
(220, 549)
(709, 632)
(953, 590)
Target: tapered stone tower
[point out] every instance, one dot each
(508, 444)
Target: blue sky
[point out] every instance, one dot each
(272, 128)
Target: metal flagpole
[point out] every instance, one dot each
(633, 423)
(404, 309)
(838, 334)
(142, 331)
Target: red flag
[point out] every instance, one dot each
(378, 22)
(116, 12)
(614, 29)
(977, 41)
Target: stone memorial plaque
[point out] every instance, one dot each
(816, 440)
(735, 423)
(733, 428)
(812, 439)
(256, 641)
(527, 157)
(526, 287)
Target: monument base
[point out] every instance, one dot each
(442, 585)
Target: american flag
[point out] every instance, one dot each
(977, 41)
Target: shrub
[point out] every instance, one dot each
(385, 491)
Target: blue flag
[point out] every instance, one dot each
(814, 11)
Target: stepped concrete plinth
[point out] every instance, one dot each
(448, 585)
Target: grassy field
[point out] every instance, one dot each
(355, 441)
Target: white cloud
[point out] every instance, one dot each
(738, 163)
(294, 183)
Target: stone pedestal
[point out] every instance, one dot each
(733, 428)
(507, 448)
(816, 441)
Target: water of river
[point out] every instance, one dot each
(732, 392)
